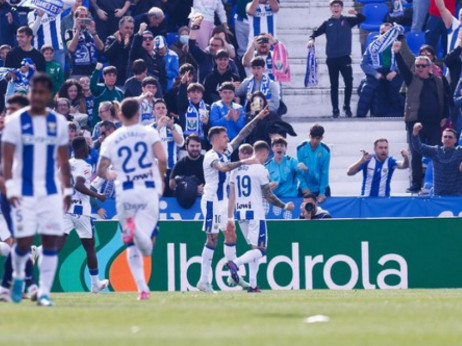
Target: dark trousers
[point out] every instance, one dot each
(431, 135)
(434, 31)
(336, 66)
(381, 97)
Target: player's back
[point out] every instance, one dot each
(130, 151)
(248, 180)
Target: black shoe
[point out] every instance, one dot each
(347, 111)
(413, 189)
(336, 113)
(254, 290)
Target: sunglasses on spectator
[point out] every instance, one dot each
(148, 38)
(421, 65)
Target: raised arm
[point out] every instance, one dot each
(354, 168)
(446, 15)
(247, 130)
(405, 163)
(423, 149)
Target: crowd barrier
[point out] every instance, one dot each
(339, 207)
(323, 254)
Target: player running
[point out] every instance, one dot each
(34, 144)
(214, 202)
(138, 161)
(248, 187)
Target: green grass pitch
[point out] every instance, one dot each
(413, 317)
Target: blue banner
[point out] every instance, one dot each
(339, 208)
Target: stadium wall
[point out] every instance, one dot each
(326, 254)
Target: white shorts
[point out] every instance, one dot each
(143, 206)
(4, 231)
(81, 223)
(42, 215)
(254, 232)
(215, 216)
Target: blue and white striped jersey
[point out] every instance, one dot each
(377, 176)
(453, 34)
(263, 21)
(171, 148)
(36, 139)
(216, 186)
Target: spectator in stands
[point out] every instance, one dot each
(227, 113)
(67, 22)
(106, 128)
(83, 44)
(205, 59)
(262, 16)
(24, 50)
(107, 112)
(170, 59)
(378, 169)
(439, 21)
(419, 14)
(143, 6)
(133, 84)
(171, 136)
(88, 97)
(177, 98)
(4, 50)
(310, 209)
(260, 82)
(241, 26)
(180, 47)
(190, 165)
(222, 33)
(149, 88)
(9, 23)
(454, 63)
(221, 73)
(154, 21)
(72, 90)
(53, 69)
(314, 159)
(383, 82)
(196, 117)
(143, 48)
(284, 173)
(178, 11)
(447, 161)
(117, 47)
(63, 106)
(425, 103)
(207, 10)
(338, 51)
(108, 14)
(106, 91)
(261, 46)
(47, 30)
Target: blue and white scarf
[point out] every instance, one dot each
(193, 119)
(50, 7)
(5, 71)
(264, 86)
(382, 42)
(311, 75)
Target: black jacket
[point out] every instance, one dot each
(454, 64)
(213, 81)
(118, 55)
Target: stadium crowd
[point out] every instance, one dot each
(198, 64)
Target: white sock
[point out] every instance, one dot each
(253, 271)
(39, 251)
(48, 264)
(4, 249)
(94, 276)
(18, 262)
(207, 256)
(135, 261)
(230, 252)
(248, 257)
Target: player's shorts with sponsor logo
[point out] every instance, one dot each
(255, 232)
(38, 214)
(82, 224)
(215, 215)
(143, 206)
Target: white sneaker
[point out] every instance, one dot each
(205, 287)
(5, 295)
(231, 283)
(103, 284)
(32, 292)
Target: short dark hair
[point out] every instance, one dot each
(139, 66)
(260, 146)
(109, 125)
(196, 87)
(41, 78)
(316, 131)
(160, 100)
(193, 137)
(109, 69)
(216, 130)
(130, 106)
(380, 140)
(246, 148)
(219, 39)
(78, 143)
(222, 54)
(448, 129)
(258, 61)
(46, 47)
(227, 86)
(71, 126)
(25, 30)
(5, 46)
(427, 47)
(187, 67)
(332, 2)
(19, 99)
(310, 195)
(149, 81)
(279, 140)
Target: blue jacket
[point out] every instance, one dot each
(172, 67)
(286, 174)
(317, 161)
(218, 113)
(370, 62)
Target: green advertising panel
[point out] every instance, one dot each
(326, 254)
